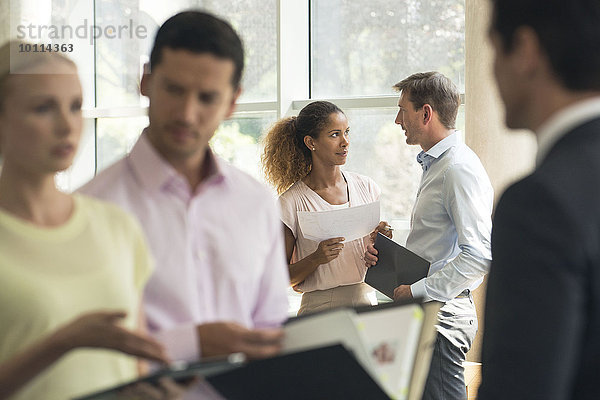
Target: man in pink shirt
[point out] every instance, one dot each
(215, 233)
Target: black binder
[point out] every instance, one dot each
(329, 372)
(396, 266)
(179, 373)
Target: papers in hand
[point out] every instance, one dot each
(350, 223)
(396, 265)
(392, 342)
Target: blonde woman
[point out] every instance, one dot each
(72, 268)
(302, 160)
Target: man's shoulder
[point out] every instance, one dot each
(244, 183)
(462, 163)
(110, 179)
(463, 154)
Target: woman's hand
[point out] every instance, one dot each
(102, 329)
(384, 228)
(328, 250)
(98, 329)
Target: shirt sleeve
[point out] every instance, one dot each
(374, 189)
(289, 214)
(468, 200)
(272, 303)
(181, 342)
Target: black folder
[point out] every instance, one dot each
(179, 373)
(329, 372)
(396, 266)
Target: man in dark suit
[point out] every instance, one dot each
(542, 333)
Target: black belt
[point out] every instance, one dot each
(464, 294)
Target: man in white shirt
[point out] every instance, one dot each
(545, 276)
(450, 224)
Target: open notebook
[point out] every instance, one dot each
(392, 342)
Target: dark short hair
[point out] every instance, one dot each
(434, 89)
(568, 31)
(200, 32)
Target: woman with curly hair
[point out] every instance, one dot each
(302, 159)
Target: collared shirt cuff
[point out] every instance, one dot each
(181, 343)
(418, 289)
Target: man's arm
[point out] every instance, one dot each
(535, 306)
(270, 304)
(468, 199)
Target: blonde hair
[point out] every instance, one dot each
(14, 61)
(286, 159)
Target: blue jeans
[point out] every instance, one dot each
(457, 326)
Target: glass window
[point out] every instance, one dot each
(116, 137)
(120, 60)
(378, 149)
(238, 141)
(363, 48)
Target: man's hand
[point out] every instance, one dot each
(371, 255)
(402, 292)
(221, 338)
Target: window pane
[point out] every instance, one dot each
(56, 23)
(116, 137)
(363, 48)
(378, 149)
(120, 59)
(237, 141)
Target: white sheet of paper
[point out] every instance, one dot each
(350, 223)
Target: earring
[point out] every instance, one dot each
(313, 149)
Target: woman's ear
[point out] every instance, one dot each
(309, 142)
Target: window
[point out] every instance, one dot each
(350, 52)
(361, 48)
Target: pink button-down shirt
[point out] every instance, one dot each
(219, 251)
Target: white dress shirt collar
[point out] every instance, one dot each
(440, 147)
(562, 122)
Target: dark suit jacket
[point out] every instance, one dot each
(542, 318)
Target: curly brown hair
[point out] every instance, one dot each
(286, 159)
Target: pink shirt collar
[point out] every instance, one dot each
(156, 174)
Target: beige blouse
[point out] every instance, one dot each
(348, 268)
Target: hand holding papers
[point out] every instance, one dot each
(396, 266)
(350, 223)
